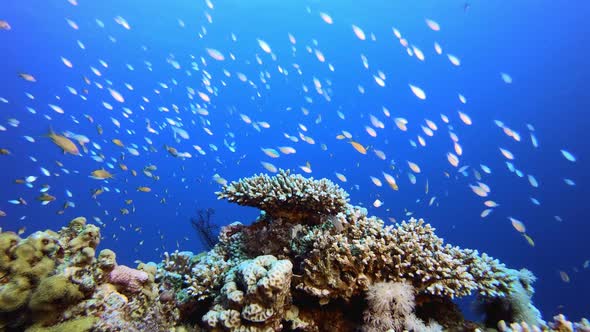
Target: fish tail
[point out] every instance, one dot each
(50, 132)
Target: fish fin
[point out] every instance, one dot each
(50, 133)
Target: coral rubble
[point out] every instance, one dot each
(311, 262)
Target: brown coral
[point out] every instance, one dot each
(341, 264)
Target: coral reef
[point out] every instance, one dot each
(340, 264)
(205, 228)
(289, 196)
(310, 262)
(253, 297)
(130, 280)
(336, 259)
(559, 324)
(50, 280)
(391, 307)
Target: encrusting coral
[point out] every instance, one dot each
(310, 262)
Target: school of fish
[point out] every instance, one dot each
(142, 124)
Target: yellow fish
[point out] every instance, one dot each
(529, 240)
(101, 174)
(118, 142)
(4, 152)
(97, 192)
(144, 189)
(45, 197)
(359, 147)
(64, 143)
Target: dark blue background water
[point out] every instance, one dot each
(542, 45)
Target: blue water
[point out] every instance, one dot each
(542, 45)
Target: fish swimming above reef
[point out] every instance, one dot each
(45, 198)
(27, 77)
(172, 151)
(66, 144)
(101, 174)
(4, 25)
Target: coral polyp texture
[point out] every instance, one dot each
(52, 281)
(289, 196)
(312, 262)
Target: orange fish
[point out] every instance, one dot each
(359, 147)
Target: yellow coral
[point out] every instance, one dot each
(107, 259)
(31, 255)
(44, 242)
(81, 324)
(8, 240)
(54, 290)
(14, 294)
(42, 268)
(84, 257)
(88, 237)
(77, 224)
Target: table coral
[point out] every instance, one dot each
(310, 262)
(289, 196)
(342, 263)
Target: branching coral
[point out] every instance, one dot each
(342, 263)
(287, 196)
(311, 263)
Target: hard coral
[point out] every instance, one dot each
(49, 280)
(14, 294)
(54, 290)
(128, 279)
(253, 297)
(312, 263)
(342, 263)
(287, 196)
